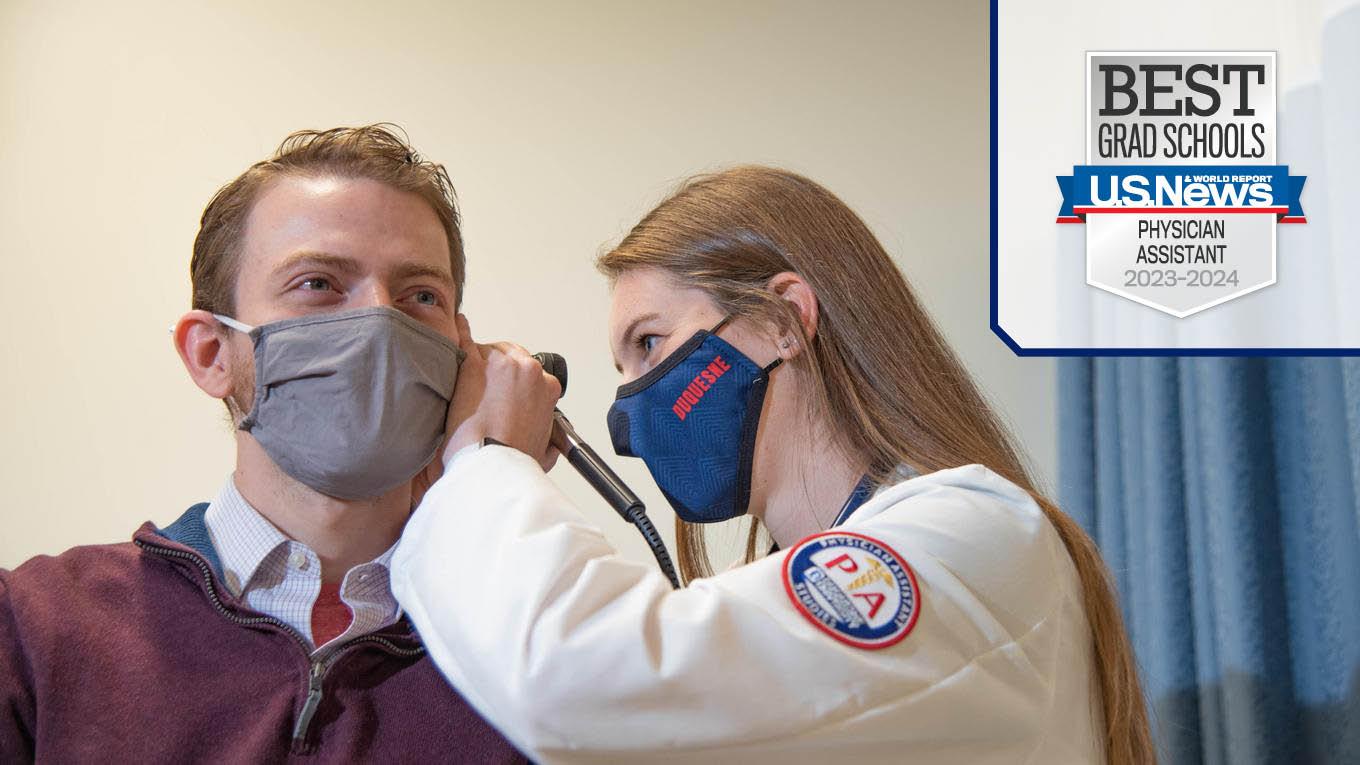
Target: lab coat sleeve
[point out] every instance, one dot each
(579, 655)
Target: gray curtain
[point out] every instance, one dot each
(1223, 494)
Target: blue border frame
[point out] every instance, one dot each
(1020, 351)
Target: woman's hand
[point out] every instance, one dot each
(503, 393)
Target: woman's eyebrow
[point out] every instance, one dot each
(627, 335)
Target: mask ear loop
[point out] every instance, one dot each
(246, 423)
(233, 324)
(768, 368)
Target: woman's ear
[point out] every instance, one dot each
(200, 344)
(789, 286)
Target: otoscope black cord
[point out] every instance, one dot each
(637, 515)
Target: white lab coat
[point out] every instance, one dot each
(578, 655)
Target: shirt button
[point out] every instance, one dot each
(363, 577)
(298, 561)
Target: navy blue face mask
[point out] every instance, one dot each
(693, 420)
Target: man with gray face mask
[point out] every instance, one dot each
(261, 625)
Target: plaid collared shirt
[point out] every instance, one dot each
(281, 577)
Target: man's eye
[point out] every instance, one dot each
(426, 297)
(648, 342)
(316, 283)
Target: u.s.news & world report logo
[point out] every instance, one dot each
(1180, 193)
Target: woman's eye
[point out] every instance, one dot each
(648, 342)
(316, 284)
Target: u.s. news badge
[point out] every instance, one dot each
(854, 588)
(1180, 193)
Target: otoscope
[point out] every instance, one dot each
(600, 476)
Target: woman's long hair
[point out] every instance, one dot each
(883, 377)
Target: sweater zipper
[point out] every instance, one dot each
(318, 673)
(319, 667)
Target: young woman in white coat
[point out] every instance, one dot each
(924, 604)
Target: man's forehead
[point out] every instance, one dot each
(345, 222)
(292, 202)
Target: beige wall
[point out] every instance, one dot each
(560, 124)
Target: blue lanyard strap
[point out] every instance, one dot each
(861, 493)
(858, 496)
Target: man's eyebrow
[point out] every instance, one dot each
(415, 270)
(350, 266)
(310, 258)
(627, 336)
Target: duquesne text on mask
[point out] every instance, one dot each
(709, 375)
(704, 472)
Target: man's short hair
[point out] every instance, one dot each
(374, 152)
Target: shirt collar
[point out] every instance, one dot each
(242, 537)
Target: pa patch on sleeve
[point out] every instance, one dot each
(854, 588)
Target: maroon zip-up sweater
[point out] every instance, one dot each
(135, 652)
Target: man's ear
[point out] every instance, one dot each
(789, 286)
(200, 341)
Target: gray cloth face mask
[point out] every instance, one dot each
(352, 403)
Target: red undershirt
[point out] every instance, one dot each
(330, 616)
